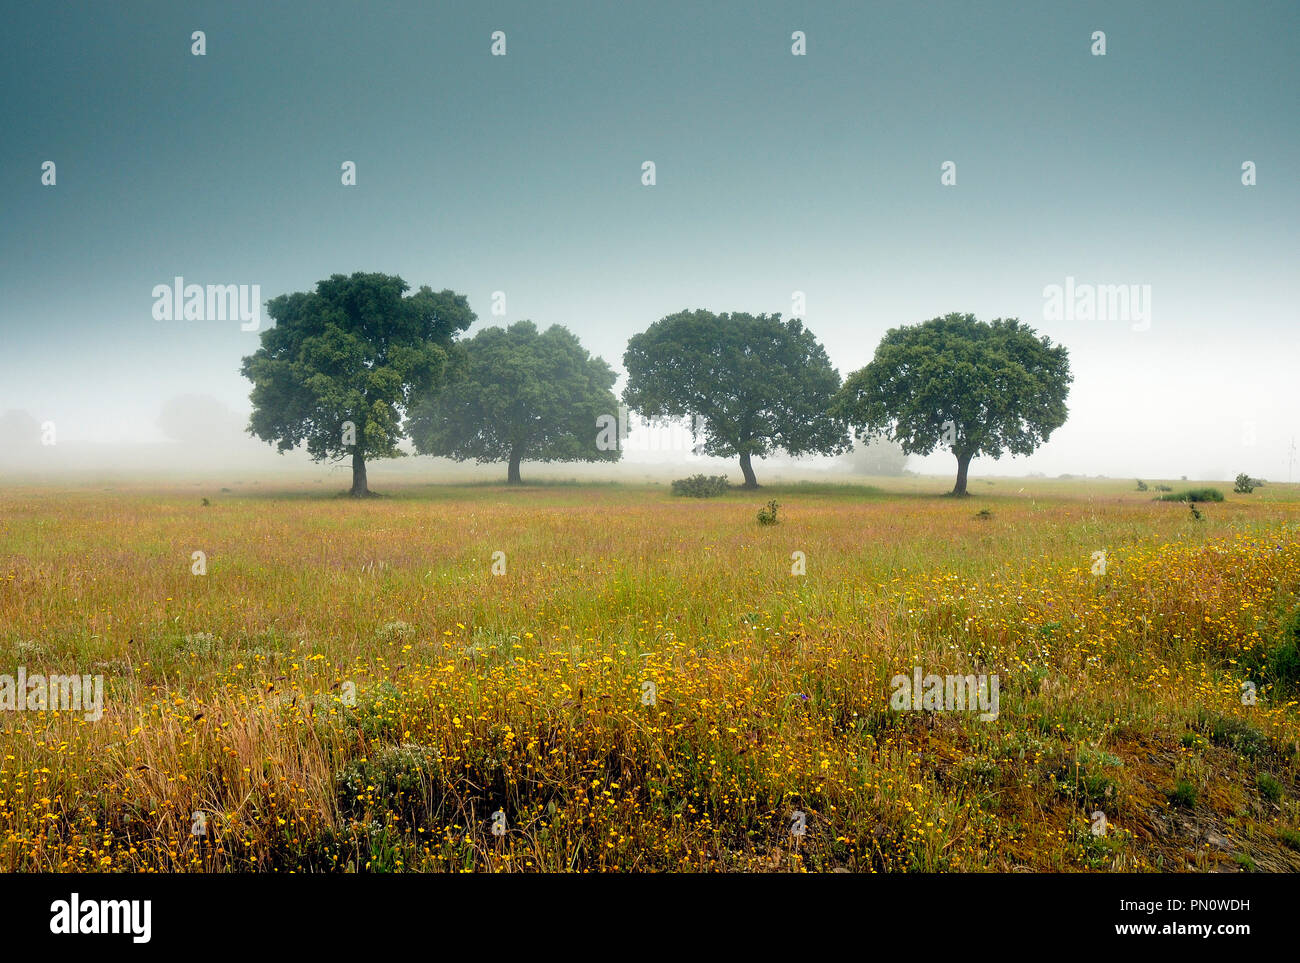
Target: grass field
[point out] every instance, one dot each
(647, 686)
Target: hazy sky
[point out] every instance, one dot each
(775, 173)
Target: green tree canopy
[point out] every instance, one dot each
(755, 383)
(343, 363)
(975, 388)
(519, 395)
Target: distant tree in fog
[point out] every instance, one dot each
(199, 420)
(20, 436)
(18, 429)
(876, 456)
(517, 395)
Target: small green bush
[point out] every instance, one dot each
(203, 644)
(1087, 785)
(1234, 733)
(701, 486)
(1194, 495)
(405, 780)
(1244, 484)
(1142, 486)
(1183, 794)
(1278, 664)
(1269, 787)
(767, 516)
(373, 713)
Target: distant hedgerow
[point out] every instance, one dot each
(1194, 495)
(701, 486)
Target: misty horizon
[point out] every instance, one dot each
(198, 434)
(870, 191)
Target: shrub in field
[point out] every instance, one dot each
(392, 632)
(767, 516)
(701, 486)
(1183, 794)
(1194, 495)
(1084, 779)
(372, 715)
(1164, 488)
(28, 649)
(203, 644)
(1142, 486)
(1285, 657)
(1236, 734)
(1244, 484)
(397, 779)
(1269, 787)
(1279, 664)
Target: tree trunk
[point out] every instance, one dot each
(748, 470)
(963, 464)
(359, 487)
(513, 477)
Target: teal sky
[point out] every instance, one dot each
(775, 173)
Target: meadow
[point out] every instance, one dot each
(639, 682)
